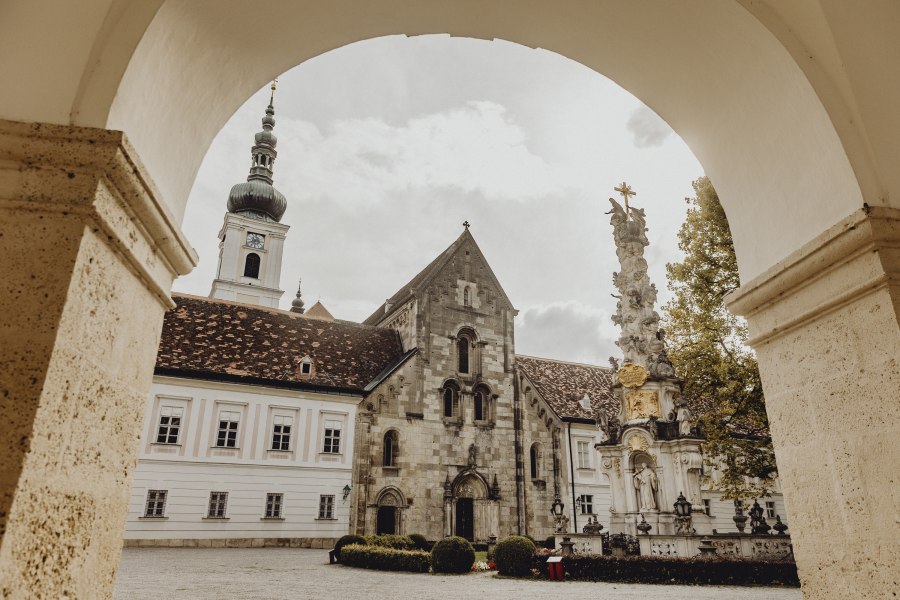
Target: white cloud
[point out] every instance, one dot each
(476, 147)
(568, 331)
(648, 129)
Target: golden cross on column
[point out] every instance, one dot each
(626, 192)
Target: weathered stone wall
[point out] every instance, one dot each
(540, 426)
(433, 448)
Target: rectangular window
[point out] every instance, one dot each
(156, 504)
(587, 504)
(326, 507)
(228, 429)
(281, 432)
(169, 424)
(707, 507)
(217, 502)
(584, 455)
(332, 438)
(273, 505)
(770, 510)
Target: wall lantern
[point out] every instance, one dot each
(683, 508)
(556, 509)
(346, 491)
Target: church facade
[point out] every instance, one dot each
(292, 428)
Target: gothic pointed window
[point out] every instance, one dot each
(251, 265)
(467, 297)
(479, 405)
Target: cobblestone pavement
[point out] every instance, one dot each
(292, 574)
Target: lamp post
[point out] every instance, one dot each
(556, 509)
(758, 523)
(683, 519)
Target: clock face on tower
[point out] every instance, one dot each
(256, 240)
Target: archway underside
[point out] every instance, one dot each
(793, 144)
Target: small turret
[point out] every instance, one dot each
(297, 302)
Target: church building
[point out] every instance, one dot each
(292, 428)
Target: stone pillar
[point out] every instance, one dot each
(88, 258)
(824, 323)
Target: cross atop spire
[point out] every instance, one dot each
(272, 97)
(466, 225)
(625, 190)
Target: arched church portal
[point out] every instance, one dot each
(470, 512)
(388, 512)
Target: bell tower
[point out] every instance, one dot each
(251, 241)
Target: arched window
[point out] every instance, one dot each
(482, 403)
(450, 396)
(467, 297)
(462, 345)
(535, 455)
(391, 443)
(479, 405)
(251, 265)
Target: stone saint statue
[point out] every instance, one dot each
(646, 483)
(472, 455)
(684, 420)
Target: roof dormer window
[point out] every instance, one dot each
(306, 367)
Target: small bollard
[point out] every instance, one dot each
(491, 547)
(554, 566)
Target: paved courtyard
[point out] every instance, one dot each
(276, 573)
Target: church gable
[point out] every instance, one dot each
(465, 280)
(459, 268)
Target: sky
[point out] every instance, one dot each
(386, 146)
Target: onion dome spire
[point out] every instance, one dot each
(257, 197)
(297, 302)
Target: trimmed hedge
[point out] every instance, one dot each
(419, 542)
(691, 571)
(385, 559)
(514, 556)
(397, 542)
(346, 541)
(452, 555)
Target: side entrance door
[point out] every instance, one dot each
(386, 520)
(465, 519)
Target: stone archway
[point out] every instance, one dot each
(799, 130)
(471, 510)
(388, 512)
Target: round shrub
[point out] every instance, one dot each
(452, 555)
(345, 541)
(419, 541)
(514, 556)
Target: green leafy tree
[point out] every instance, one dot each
(707, 346)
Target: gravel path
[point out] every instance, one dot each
(292, 574)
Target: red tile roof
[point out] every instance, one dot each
(564, 384)
(214, 339)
